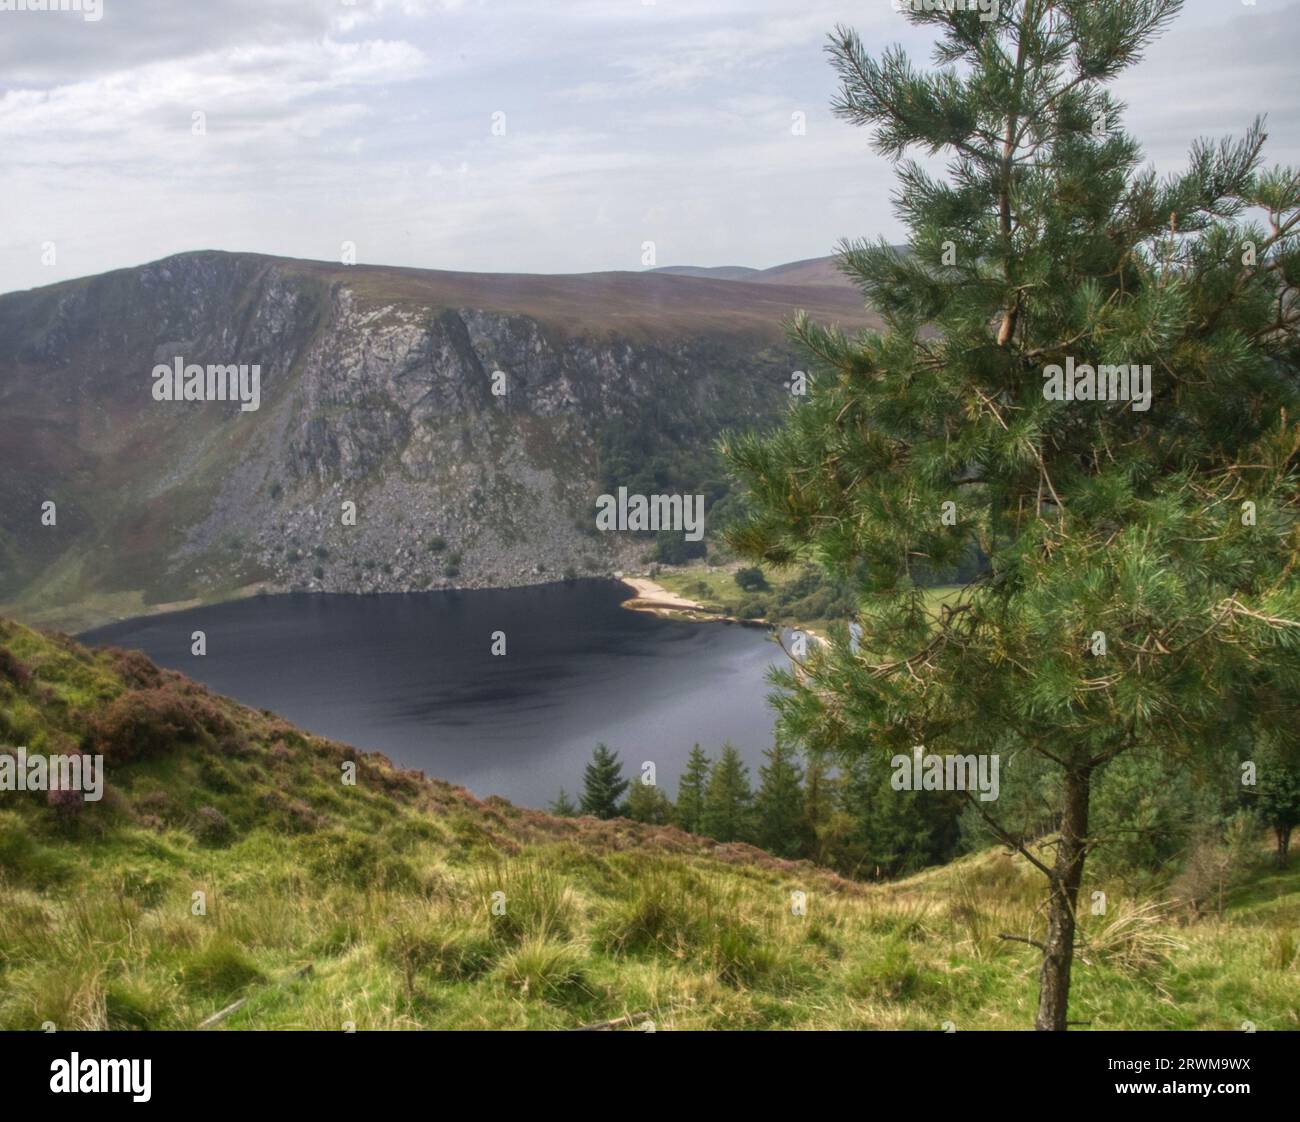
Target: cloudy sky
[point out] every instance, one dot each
(625, 121)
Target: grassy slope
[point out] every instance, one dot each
(385, 888)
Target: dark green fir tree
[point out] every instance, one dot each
(729, 800)
(691, 788)
(780, 827)
(603, 784)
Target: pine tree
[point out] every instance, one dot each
(603, 784)
(563, 806)
(780, 826)
(646, 802)
(818, 809)
(1278, 792)
(892, 833)
(729, 801)
(689, 812)
(1140, 585)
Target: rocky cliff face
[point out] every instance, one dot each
(462, 415)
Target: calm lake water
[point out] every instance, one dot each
(413, 676)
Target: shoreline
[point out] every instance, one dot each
(648, 595)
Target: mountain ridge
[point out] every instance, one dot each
(526, 292)
(378, 387)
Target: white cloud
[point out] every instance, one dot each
(625, 122)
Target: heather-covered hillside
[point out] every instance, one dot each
(403, 902)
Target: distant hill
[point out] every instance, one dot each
(716, 272)
(814, 271)
(811, 272)
(379, 386)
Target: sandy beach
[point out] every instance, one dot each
(651, 597)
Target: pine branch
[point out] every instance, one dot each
(1010, 839)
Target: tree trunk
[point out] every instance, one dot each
(1058, 949)
(1283, 842)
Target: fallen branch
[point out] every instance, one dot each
(618, 1022)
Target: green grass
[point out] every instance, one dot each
(417, 906)
(717, 591)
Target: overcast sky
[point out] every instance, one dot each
(624, 122)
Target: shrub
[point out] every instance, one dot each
(672, 548)
(13, 668)
(751, 580)
(1216, 862)
(233, 744)
(142, 724)
(67, 804)
(135, 668)
(293, 816)
(212, 828)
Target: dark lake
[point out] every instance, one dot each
(414, 677)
